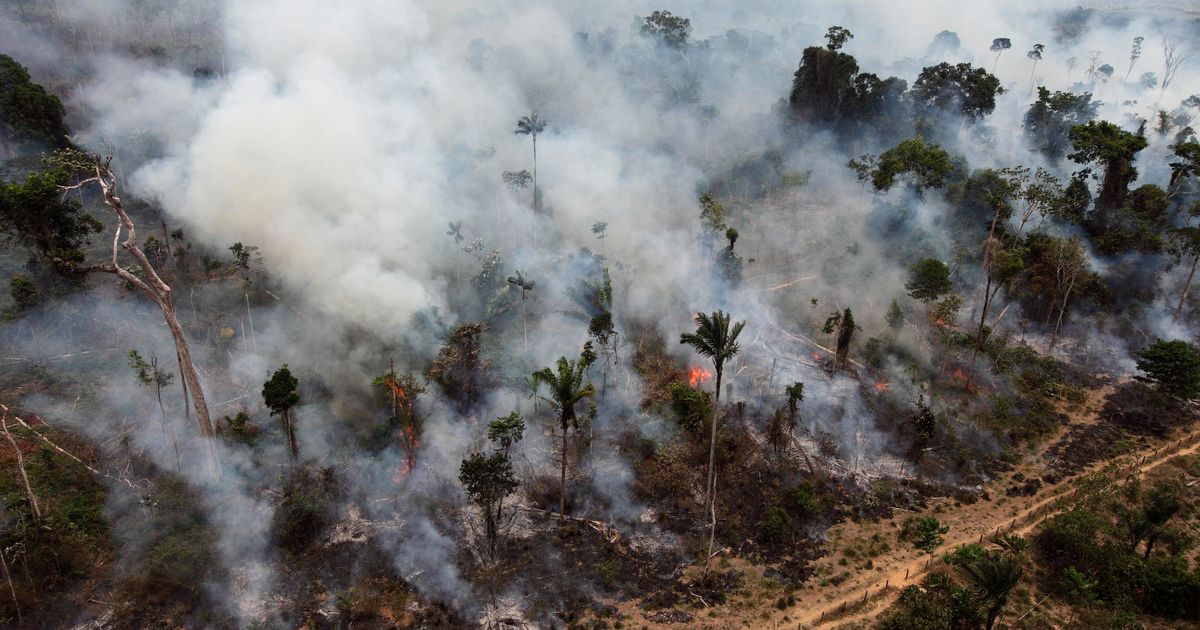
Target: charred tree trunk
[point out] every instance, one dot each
(562, 475)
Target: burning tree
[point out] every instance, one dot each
(96, 170)
(567, 389)
(280, 394)
(716, 339)
(403, 390)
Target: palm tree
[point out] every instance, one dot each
(1163, 504)
(993, 576)
(566, 390)
(531, 126)
(526, 285)
(716, 339)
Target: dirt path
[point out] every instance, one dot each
(873, 591)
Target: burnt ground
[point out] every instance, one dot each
(1130, 417)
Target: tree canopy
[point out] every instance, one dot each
(1173, 366)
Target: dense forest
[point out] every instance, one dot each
(599, 315)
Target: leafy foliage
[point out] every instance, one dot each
(1173, 366)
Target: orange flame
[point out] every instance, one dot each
(410, 444)
(816, 356)
(698, 375)
(881, 386)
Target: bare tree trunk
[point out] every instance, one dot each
(158, 291)
(1186, 285)
(1062, 310)
(162, 418)
(710, 500)
(562, 477)
(250, 318)
(33, 502)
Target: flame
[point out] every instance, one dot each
(816, 356)
(881, 386)
(410, 444)
(698, 375)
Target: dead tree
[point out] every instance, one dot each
(152, 286)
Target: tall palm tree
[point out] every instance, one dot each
(993, 576)
(531, 126)
(567, 389)
(716, 339)
(1163, 504)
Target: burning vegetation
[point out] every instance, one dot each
(683, 371)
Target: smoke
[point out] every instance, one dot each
(341, 139)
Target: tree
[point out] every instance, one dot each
(999, 45)
(1173, 366)
(944, 88)
(532, 125)
(1035, 55)
(522, 282)
(1113, 149)
(280, 394)
(148, 373)
(1069, 264)
(1161, 505)
(715, 338)
(667, 29)
(243, 257)
(1185, 166)
(1172, 60)
(894, 316)
(824, 80)
(928, 280)
(98, 171)
(1134, 53)
(507, 430)
(34, 508)
(1187, 243)
(24, 293)
(922, 165)
(29, 117)
(943, 43)
(1049, 120)
(37, 215)
(926, 532)
(993, 577)
(600, 229)
(567, 389)
(837, 37)
(487, 479)
(845, 333)
(460, 370)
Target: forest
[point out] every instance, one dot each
(577, 315)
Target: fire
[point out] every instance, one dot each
(410, 444)
(881, 386)
(698, 375)
(816, 357)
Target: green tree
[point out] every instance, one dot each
(507, 430)
(715, 338)
(487, 479)
(29, 117)
(667, 29)
(1173, 366)
(993, 577)
(532, 125)
(928, 280)
(1050, 118)
(1160, 506)
(1034, 55)
(824, 80)
(1114, 150)
(566, 389)
(926, 532)
(999, 45)
(1186, 243)
(148, 373)
(24, 293)
(281, 394)
(957, 88)
(894, 316)
(923, 165)
(37, 215)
